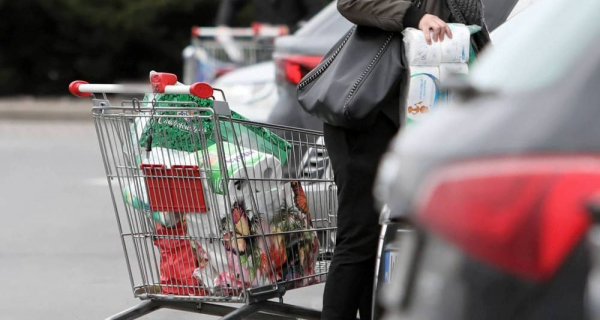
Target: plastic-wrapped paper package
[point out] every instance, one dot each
(241, 164)
(457, 49)
(450, 70)
(424, 92)
(418, 52)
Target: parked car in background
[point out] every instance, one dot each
(504, 185)
(251, 91)
(395, 227)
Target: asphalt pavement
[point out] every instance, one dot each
(60, 253)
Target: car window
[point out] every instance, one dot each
(328, 22)
(541, 47)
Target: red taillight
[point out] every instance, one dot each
(521, 215)
(293, 68)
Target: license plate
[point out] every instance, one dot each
(389, 262)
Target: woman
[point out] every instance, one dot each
(355, 155)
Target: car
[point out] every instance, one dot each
(251, 90)
(502, 187)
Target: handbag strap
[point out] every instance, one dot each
(324, 65)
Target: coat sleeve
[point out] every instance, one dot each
(389, 15)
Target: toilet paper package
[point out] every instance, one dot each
(450, 70)
(424, 92)
(241, 164)
(418, 52)
(457, 49)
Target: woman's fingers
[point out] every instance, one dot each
(434, 29)
(448, 31)
(436, 32)
(442, 31)
(427, 33)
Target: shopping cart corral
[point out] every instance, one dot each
(214, 51)
(203, 208)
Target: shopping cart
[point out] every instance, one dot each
(194, 232)
(215, 51)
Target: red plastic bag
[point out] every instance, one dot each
(177, 261)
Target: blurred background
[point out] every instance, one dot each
(47, 44)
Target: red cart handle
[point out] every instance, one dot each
(163, 83)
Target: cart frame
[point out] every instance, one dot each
(255, 297)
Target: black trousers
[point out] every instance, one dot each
(355, 156)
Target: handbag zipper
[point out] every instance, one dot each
(314, 75)
(364, 74)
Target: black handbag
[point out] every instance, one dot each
(356, 77)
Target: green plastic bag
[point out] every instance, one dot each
(184, 133)
(176, 133)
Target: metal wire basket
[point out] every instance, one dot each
(215, 51)
(211, 207)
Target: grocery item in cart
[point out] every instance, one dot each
(135, 195)
(169, 157)
(255, 137)
(214, 258)
(184, 133)
(241, 164)
(288, 250)
(177, 261)
(204, 230)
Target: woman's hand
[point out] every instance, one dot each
(433, 26)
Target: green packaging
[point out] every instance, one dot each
(184, 133)
(235, 158)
